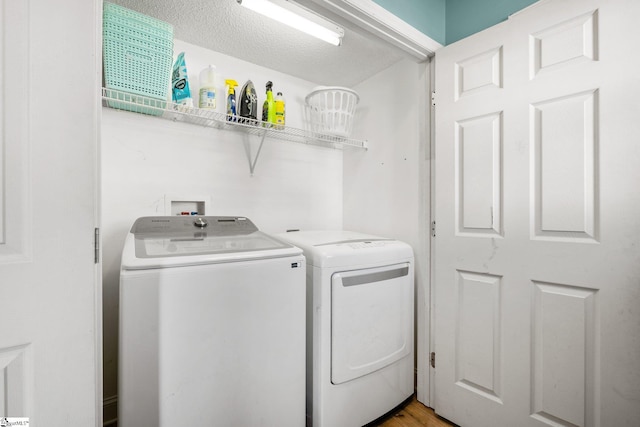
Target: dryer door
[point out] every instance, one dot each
(371, 320)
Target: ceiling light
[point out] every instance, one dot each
(297, 17)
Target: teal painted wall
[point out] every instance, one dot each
(447, 21)
(466, 17)
(427, 16)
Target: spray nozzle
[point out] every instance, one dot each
(232, 85)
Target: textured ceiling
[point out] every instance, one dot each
(226, 27)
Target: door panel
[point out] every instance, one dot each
(537, 266)
(558, 45)
(565, 353)
(478, 349)
(478, 153)
(563, 156)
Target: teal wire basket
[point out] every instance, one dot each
(137, 56)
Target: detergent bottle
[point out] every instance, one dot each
(180, 91)
(207, 97)
(231, 99)
(279, 111)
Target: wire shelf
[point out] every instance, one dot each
(141, 104)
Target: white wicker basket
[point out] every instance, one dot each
(330, 110)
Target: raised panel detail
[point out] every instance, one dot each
(14, 136)
(565, 355)
(564, 183)
(478, 186)
(482, 72)
(13, 382)
(575, 40)
(478, 339)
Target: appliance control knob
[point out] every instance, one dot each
(200, 222)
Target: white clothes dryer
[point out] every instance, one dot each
(360, 292)
(211, 325)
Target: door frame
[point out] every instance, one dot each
(99, 372)
(424, 301)
(98, 218)
(99, 403)
(432, 224)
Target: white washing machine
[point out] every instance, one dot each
(212, 325)
(360, 292)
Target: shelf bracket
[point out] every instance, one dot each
(247, 149)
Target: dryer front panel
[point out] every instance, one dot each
(371, 320)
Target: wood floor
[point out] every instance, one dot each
(413, 414)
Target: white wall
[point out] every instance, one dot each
(381, 185)
(386, 189)
(145, 158)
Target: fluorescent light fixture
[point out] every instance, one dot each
(297, 17)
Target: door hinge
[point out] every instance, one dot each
(433, 229)
(433, 359)
(96, 245)
(433, 99)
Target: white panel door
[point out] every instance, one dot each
(49, 293)
(537, 253)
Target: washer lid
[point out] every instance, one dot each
(166, 241)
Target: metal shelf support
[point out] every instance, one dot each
(247, 148)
